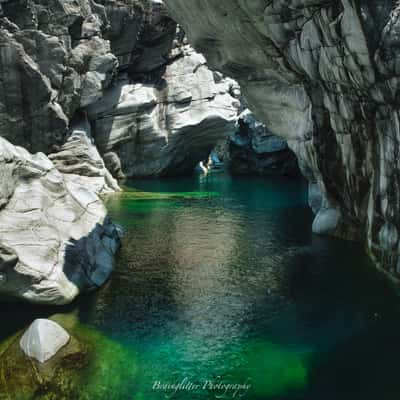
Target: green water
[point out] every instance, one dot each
(221, 282)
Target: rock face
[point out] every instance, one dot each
(43, 340)
(79, 158)
(324, 75)
(53, 60)
(55, 237)
(154, 106)
(253, 149)
(166, 127)
(167, 109)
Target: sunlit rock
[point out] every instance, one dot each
(165, 127)
(43, 339)
(56, 239)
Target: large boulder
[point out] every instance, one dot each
(55, 237)
(43, 340)
(325, 76)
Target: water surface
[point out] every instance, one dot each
(220, 281)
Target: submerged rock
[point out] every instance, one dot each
(30, 373)
(43, 339)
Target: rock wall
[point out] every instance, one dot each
(166, 110)
(325, 76)
(167, 127)
(154, 106)
(253, 149)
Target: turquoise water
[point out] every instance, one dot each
(221, 282)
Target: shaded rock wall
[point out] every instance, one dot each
(253, 149)
(324, 75)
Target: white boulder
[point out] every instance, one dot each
(43, 340)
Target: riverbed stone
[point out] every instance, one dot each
(43, 339)
(326, 221)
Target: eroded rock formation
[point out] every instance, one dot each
(154, 106)
(166, 127)
(324, 75)
(55, 237)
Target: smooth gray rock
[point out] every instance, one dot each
(43, 340)
(78, 157)
(169, 127)
(326, 221)
(54, 61)
(55, 237)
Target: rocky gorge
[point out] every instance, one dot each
(115, 116)
(100, 91)
(111, 90)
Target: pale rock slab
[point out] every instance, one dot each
(56, 239)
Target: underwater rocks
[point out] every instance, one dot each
(79, 370)
(55, 237)
(43, 340)
(323, 75)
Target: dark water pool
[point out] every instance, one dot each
(221, 282)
